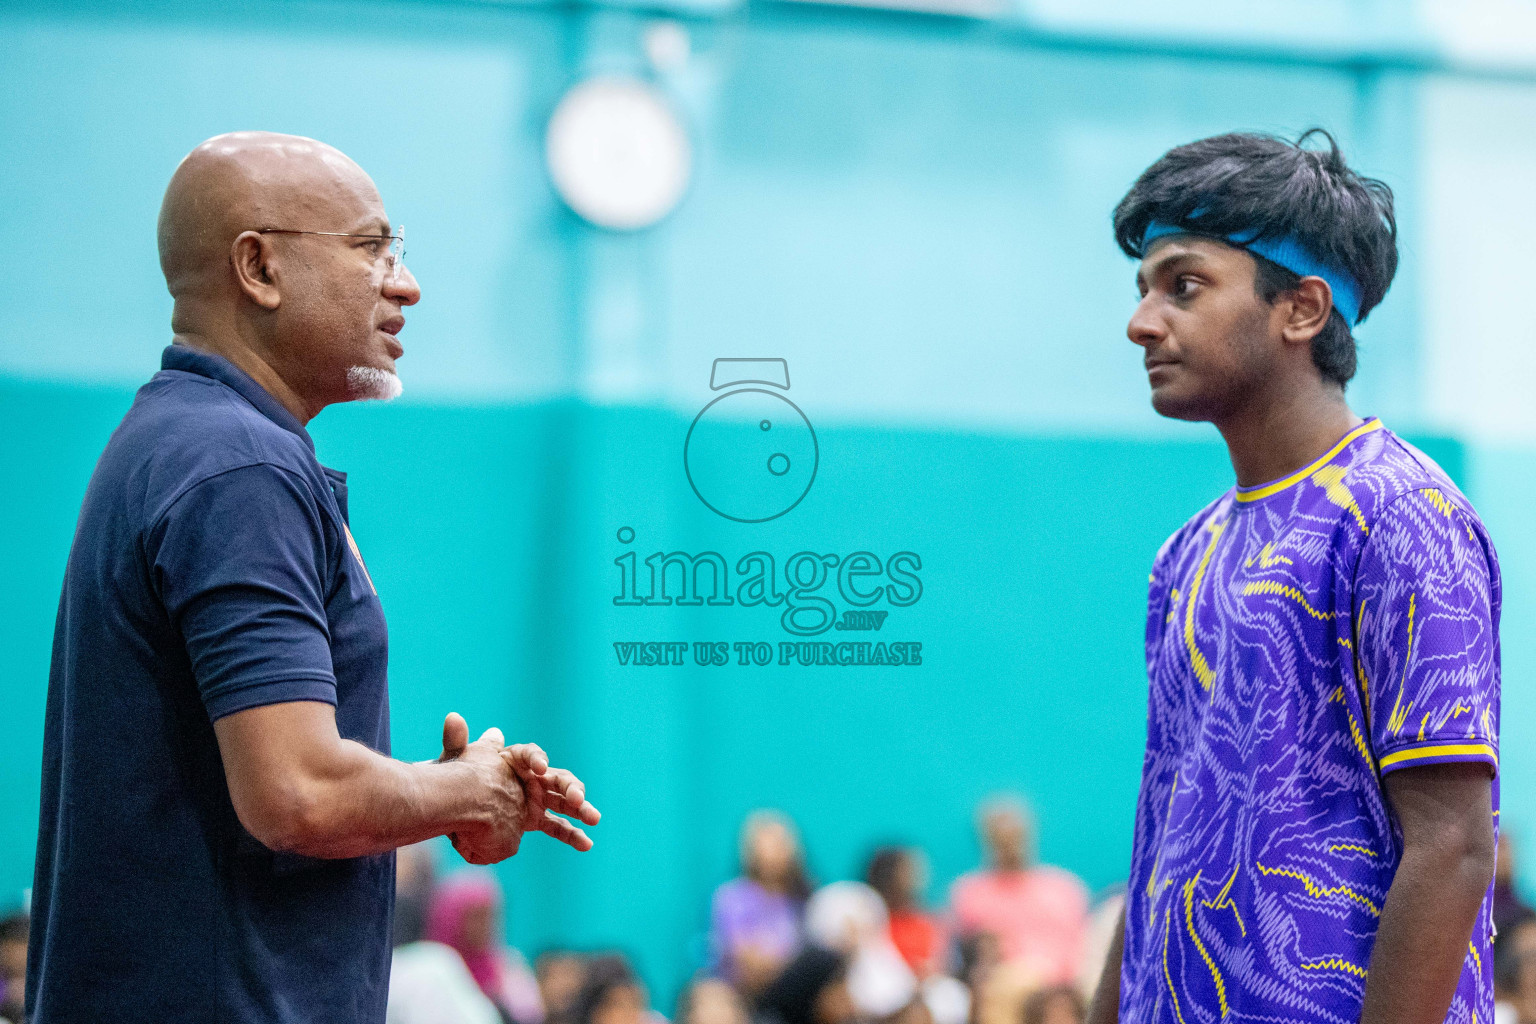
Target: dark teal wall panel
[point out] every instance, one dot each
(492, 534)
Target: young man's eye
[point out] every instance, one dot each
(1185, 286)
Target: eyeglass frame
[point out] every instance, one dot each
(394, 260)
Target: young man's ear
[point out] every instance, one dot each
(1308, 306)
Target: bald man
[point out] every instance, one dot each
(219, 808)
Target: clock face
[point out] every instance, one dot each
(617, 154)
(750, 455)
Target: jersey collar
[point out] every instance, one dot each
(206, 364)
(1248, 494)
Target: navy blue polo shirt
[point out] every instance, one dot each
(212, 571)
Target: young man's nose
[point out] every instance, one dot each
(1145, 327)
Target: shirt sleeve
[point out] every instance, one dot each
(1428, 655)
(239, 562)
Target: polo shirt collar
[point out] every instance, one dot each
(206, 364)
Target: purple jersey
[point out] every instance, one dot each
(1303, 639)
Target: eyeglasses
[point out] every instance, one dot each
(394, 256)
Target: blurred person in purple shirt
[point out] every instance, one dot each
(755, 919)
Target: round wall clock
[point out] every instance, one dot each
(617, 154)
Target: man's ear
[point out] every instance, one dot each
(255, 265)
(1309, 305)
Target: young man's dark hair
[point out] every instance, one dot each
(1315, 831)
(1262, 189)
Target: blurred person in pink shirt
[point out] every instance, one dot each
(466, 915)
(1038, 913)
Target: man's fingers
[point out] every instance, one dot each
(455, 736)
(492, 736)
(569, 834)
(560, 790)
(527, 759)
(571, 795)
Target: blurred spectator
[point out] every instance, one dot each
(1062, 1004)
(560, 974)
(1039, 913)
(1003, 994)
(415, 874)
(1103, 922)
(13, 967)
(611, 994)
(755, 919)
(980, 955)
(899, 875)
(711, 1001)
(428, 981)
(465, 915)
(1508, 907)
(1514, 972)
(812, 989)
(849, 918)
(915, 1012)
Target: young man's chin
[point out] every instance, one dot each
(1168, 403)
(369, 383)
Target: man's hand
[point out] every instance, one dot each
(543, 794)
(500, 835)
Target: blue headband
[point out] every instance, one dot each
(1291, 255)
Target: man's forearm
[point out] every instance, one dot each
(1426, 925)
(1105, 1008)
(366, 803)
(298, 787)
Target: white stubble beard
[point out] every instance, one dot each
(371, 383)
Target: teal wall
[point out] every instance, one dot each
(913, 211)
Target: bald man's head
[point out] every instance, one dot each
(278, 253)
(246, 181)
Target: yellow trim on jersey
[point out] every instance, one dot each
(1282, 590)
(1167, 927)
(1445, 750)
(1223, 901)
(1354, 728)
(1202, 668)
(1301, 474)
(1189, 918)
(1335, 964)
(1318, 891)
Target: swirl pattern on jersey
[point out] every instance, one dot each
(1303, 638)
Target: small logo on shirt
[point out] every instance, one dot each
(352, 543)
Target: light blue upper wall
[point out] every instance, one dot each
(443, 107)
(914, 211)
(928, 240)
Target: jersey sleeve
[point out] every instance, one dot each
(239, 563)
(1160, 592)
(1426, 636)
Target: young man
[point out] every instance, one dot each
(1316, 826)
